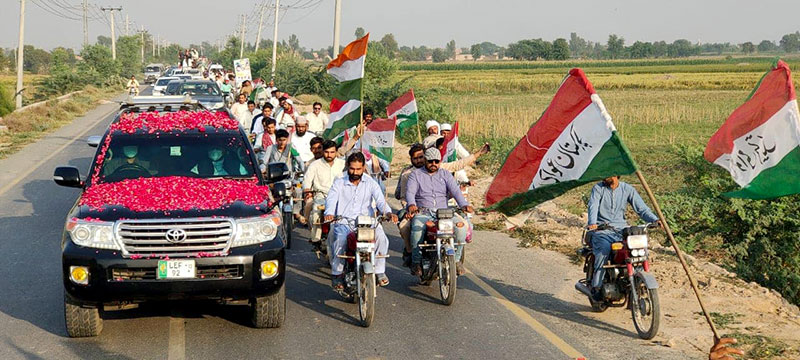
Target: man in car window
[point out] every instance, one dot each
(129, 161)
(219, 163)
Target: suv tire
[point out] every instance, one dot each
(82, 321)
(269, 311)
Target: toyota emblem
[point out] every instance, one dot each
(176, 235)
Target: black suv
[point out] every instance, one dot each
(122, 244)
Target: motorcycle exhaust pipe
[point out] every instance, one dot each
(583, 289)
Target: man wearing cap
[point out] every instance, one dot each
(301, 140)
(287, 115)
(427, 190)
(461, 153)
(417, 155)
(432, 127)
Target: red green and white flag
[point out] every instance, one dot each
(348, 68)
(573, 143)
(378, 138)
(449, 147)
(759, 142)
(404, 111)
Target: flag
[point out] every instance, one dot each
(573, 143)
(758, 143)
(378, 138)
(348, 68)
(449, 147)
(404, 111)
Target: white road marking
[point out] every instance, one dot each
(177, 337)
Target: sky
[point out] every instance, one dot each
(51, 23)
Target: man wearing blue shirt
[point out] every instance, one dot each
(350, 197)
(607, 205)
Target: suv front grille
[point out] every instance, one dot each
(202, 272)
(149, 238)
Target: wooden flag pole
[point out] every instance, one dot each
(671, 238)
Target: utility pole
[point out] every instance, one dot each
(241, 48)
(158, 46)
(153, 46)
(260, 22)
(127, 25)
(275, 39)
(18, 95)
(113, 33)
(142, 32)
(337, 19)
(85, 23)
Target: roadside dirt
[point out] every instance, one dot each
(760, 317)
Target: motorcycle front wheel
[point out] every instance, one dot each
(647, 313)
(288, 222)
(448, 279)
(366, 299)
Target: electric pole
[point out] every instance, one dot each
(337, 19)
(113, 33)
(18, 95)
(142, 32)
(153, 46)
(241, 48)
(158, 45)
(127, 25)
(260, 22)
(85, 23)
(275, 39)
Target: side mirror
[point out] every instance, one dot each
(278, 191)
(67, 176)
(94, 140)
(277, 171)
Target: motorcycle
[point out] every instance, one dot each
(133, 91)
(438, 249)
(627, 280)
(319, 228)
(359, 276)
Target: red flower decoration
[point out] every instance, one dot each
(173, 121)
(173, 193)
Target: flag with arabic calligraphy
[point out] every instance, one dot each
(573, 143)
(758, 143)
(378, 138)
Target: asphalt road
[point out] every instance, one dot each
(490, 318)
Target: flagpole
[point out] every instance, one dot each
(671, 238)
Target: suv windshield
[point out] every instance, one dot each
(153, 69)
(163, 82)
(192, 154)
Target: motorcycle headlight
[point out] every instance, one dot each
(446, 226)
(93, 234)
(255, 230)
(637, 241)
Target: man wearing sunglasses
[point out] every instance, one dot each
(427, 191)
(317, 120)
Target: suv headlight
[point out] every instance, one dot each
(93, 234)
(255, 230)
(446, 226)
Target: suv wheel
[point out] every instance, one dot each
(269, 311)
(82, 321)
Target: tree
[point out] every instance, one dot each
(748, 48)
(682, 48)
(660, 48)
(641, 50)
(104, 40)
(35, 60)
(360, 32)
(577, 45)
(767, 46)
(791, 42)
(475, 50)
(439, 55)
(389, 45)
(560, 49)
(615, 46)
(488, 48)
(294, 44)
(451, 49)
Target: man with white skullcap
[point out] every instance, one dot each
(461, 153)
(301, 140)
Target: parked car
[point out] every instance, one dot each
(117, 255)
(152, 72)
(161, 84)
(206, 92)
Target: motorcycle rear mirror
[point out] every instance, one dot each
(94, 140)
(279, 191)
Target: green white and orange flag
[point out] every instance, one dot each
(449, 147)
(759, 143)
(348, 68)
(404, 111)
(573, 143)
(378, 138)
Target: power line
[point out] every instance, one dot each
(46, 7)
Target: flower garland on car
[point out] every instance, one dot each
(174, 193)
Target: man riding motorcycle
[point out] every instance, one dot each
(427, 190)
(133, 85)
(350, 197)
(607, 204)
(318, 179)
(417, 155)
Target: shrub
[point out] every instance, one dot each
(6, 101)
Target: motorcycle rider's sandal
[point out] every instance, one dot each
(383, 280)
(337, 282)
(416, 270)
(460, 269)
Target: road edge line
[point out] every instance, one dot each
(47, 158)
(523, 316)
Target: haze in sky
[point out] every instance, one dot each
(51, 23)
